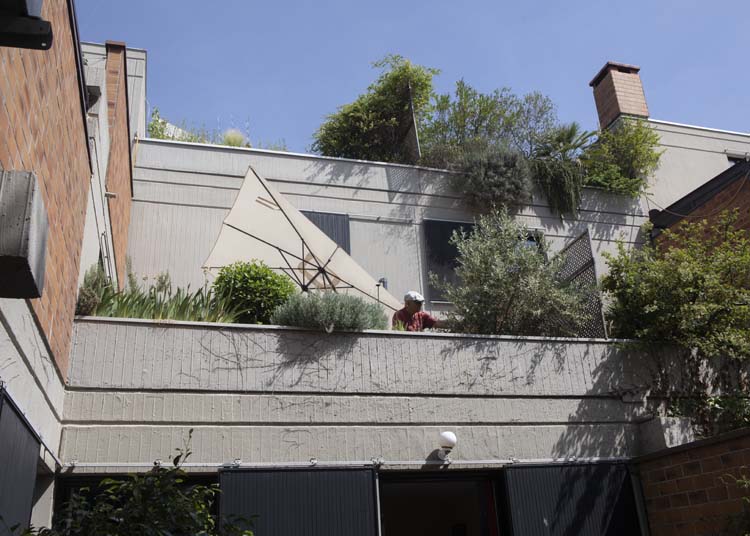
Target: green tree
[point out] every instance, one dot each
(254, 289)
(375, 125)
(470, 119)
(556, 168)
(623, 158)
(157, 503)
(492, 177)
(509, 288)
(692, 293)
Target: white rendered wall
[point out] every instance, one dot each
(182, 192)
(278, 395)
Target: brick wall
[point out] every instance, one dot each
(735, 196)
(42, 130)
(689, 489)
(119, 170)
(617, 93)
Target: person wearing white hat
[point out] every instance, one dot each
(412, 317)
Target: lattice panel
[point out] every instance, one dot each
(578, 267)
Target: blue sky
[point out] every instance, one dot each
(281, 66)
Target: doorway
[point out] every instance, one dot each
(443, 505)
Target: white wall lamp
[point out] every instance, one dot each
(447, 441)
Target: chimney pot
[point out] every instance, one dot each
(618, 91)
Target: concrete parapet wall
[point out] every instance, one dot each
(266, 394)
(132, 354)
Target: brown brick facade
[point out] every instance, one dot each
(734, 196)
(119, 168)
(618, 91)
(691, 489)
(42, 129)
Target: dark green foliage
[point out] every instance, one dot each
(94, 284)
(493, 177)
(254, 289)
(556, 169)
(508, 288)
(623, 158)
(472, 119)
(374, 126)
(156, 503)
(468, 119)
(693, 293)
(330, 311)
(97, 297)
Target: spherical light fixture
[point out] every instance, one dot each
(447, 441)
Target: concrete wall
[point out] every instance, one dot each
(692, 156)
(280, 395)
(182, 192)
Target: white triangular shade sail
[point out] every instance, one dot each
(264, 226)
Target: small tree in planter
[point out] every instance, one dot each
(253, 288)
(508, 286)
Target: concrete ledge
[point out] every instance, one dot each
(178, 356)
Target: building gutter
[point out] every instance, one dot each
(81, 79)
(374, 462)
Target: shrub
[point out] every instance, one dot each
(492, 176)
(556, 168)
(693, 293)
(90, 294)
(156, 503)
(98, 297)
(623, 158)
(234, 138)
(330, 311)
(509, 288)
(375, 125)
(254, 289)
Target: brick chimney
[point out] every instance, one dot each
(618, 91)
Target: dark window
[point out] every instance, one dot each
(335, 226)
(593, 499)
(733, 160)
(330, 502)
(19, 455)
(441, 254)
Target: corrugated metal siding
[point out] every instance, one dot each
(306, 502)
(571, 500)
(19, 453)
(335, 226)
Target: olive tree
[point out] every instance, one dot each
(508, 285)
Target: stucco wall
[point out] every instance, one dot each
(279, 395)
(182, 192)
(691, 157)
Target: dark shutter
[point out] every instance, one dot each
(303, 502)
(441, 254)
(571, 500)
(19, 454)
(336, 226)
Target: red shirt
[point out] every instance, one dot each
(417, 322)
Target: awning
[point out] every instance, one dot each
(264, 226)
